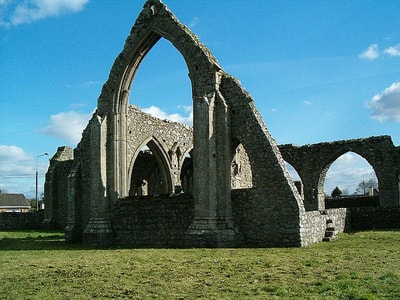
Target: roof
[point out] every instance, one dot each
(13, 200)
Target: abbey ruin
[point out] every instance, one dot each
(134, 180)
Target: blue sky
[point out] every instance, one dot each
(318, 71)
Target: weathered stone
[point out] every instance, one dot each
(139, 181)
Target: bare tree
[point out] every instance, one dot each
(363, 187)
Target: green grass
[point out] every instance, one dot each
(39, 265)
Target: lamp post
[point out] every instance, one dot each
(37, 179)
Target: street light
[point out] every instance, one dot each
(37, 177)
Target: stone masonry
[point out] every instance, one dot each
(139, 181)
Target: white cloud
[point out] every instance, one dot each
(385, 106)
(347, 172)
(306, 102)
(17, 171)
(67, 126)
(371, 53)
(28, 11)
(194, 22)
(10, 153)
(393, 51)
(159, 113)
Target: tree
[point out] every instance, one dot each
(363, 187)
(336, 193)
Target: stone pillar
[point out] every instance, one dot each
(213, 225)
(389, 186)
(50, 221)
(314, 198)
(73, 231)
(98, 231)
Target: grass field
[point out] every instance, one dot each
(361, 265)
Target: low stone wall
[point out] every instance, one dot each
(262, 224)
(366, 218)
(152, 222)
(315, 223)
(352, 201)
(21, 221)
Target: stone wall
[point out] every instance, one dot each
(369, 218)
(313, 161)
(259, 225)
(159, 222)
(363, 201)
(56, 189)
(242, 192)
(21, 221)
(169, 142)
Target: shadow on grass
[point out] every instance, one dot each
(16, 241)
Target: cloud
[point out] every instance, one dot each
(159, 113)
(393, 51)
(371, 53)
(194, 22)
(17, 171)
(67, 126)
(306, 102)
(14, 13)
(385, 106)
(347, 172)
(11, 153)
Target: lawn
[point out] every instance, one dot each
(360, 265)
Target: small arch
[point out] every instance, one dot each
(241, 172)
(150, 174)
(298, 183)
(186, 174)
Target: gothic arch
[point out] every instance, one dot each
(186, 173)
(162, 161)
(153, 23)
(241, 169)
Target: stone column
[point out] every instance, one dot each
(98, 231)
(73, 231)
(212, 225)
(62, 156)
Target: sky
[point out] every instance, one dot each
(318, 71)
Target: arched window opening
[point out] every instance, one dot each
(241, 174)
(186, 176)
(149, 174)
(296, 178)
(350, 181)
(161, 86)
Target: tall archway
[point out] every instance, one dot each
(161, 86)
(222, 111)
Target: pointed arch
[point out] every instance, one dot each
(241, 172)
(186, 173)
(155, 21)
(150, 164)
(298, 182)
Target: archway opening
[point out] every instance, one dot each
(161, 86)
(186, 176)
(150, 176)
(352, 179)
(241, 173)
(296, 178)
